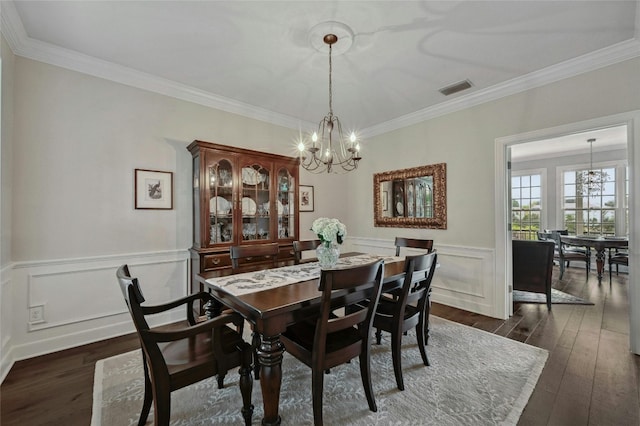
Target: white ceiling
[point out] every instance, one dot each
(606, 139)
(256, 58)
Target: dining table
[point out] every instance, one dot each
(272, 299)
(599, 244)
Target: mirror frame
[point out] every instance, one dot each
(439, 219)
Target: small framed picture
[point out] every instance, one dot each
(306, 198)
(153, 189)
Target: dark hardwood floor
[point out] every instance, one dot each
(590, 378)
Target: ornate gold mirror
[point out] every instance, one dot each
(411, 198)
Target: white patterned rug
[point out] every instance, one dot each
(475, 378)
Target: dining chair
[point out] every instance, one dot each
(586, 250)
(532, 266)
(335, 336)
(269, 254)
(413, 243)
(568, 254)
(306, 245)
(176, 356)
(408, 309)
(617, 258)
(258, 254)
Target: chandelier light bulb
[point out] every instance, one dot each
(314, 137)
(301, 146)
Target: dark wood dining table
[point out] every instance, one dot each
(270, 311)
(600, 244)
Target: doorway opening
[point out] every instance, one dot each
(503, 151)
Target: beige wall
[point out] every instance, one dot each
(78, 141)
(465, 141)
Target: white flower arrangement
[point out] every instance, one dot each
(329, 231)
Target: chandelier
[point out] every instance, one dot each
(329, 150)
(593, 178)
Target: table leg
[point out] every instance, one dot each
(600, 263)
(270, 356)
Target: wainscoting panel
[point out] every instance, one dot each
(97, 286)
(66, 303)
(465, 277)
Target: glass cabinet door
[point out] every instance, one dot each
(255, 202)
(286, 202)
(220, 176)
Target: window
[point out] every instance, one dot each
(526, 205)
(590, 201)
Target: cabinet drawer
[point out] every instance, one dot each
(216, 261)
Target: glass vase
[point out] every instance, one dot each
(328, 255)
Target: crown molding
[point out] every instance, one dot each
(11, 25)
(22, 45)
(589, 62)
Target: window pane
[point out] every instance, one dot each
(536, 180)
(569, 177)
(589, 201)
(525, 206)
(535, 192)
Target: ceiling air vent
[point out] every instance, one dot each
(456, 87)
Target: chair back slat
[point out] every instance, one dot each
(268, 252)
(305, 245)
(413, 243)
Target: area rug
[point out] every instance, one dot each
(557, 297)
(475, 378)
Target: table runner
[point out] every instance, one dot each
(250, 282)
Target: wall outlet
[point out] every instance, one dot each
(36, 314)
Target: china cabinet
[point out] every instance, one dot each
(240, 197)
